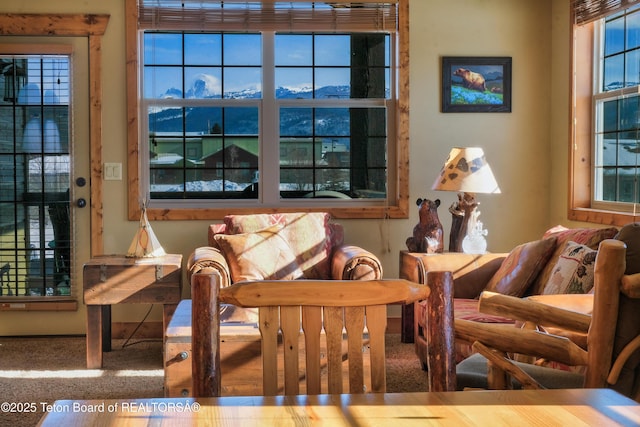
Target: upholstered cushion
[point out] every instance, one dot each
(259, 255)
(308, 234)
(521, 267)
(630, 235)
(573, 271)
(590, 237)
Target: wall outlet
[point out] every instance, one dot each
(112, 171)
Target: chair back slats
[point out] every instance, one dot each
(354, 325)
(269, 328)
(290, 328)
(333, 326)
(312, 327)
(377, 325)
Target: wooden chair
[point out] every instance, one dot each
(289, 308)
(578, 330)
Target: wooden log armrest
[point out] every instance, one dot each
(539, 313)
(351, 262)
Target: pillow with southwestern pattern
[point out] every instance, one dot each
(573, 272)
(263, 254)
(521, 267)
(590, 237)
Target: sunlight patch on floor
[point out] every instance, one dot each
(80, 373)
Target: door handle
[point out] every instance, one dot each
(81, 203)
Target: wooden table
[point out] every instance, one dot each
(116, 279)
(580, 407)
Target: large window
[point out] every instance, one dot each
(606, 111)
(280, 111)
(617, 124)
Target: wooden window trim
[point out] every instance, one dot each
(398, 175)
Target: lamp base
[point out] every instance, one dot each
(474, 243)
(464, 217)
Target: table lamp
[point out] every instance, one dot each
(466, 171)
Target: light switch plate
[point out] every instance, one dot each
(113, 171)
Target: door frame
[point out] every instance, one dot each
(76, 25)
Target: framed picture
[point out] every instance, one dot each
(476, 84)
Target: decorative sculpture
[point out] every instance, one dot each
(427, 234)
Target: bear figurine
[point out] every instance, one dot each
(427, 234)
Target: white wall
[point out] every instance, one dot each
(527, 148)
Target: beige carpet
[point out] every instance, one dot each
(41, 370)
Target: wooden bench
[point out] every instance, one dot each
(240, 357)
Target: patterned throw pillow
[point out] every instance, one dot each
(308, 234)
(573, 272)
(590, 237)
(264, 254)
(521, 267)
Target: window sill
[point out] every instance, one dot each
(38, 304)
(604, 217)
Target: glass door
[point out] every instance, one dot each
(35, 171)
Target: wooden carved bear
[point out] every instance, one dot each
(427, 234)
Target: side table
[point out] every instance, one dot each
(116, 279)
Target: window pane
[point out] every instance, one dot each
(610, 116)
(203, 82)
(332, 83)
(613, 73)
(163, 82)
(627, 184)
(294, 83)
(242, 82)
(633, 30)
(628, 152)
(293, 49)
(332, 121)
(162, 49)
(332, 50)
(203, 49)
(242, 49)
(629, 117)
(614, 36)
(296, 121)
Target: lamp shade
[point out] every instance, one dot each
(466, 170)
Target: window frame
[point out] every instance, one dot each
(585, 51)
(396, 204)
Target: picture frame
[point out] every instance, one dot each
(476, 84)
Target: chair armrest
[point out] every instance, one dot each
(471, 273)
(351, 262)
(528, 310)
(207, 259)
(631, 285)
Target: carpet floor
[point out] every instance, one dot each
(36, 371)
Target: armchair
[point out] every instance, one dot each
(598, 332)
(280, 247)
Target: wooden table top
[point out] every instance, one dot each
(579, 407)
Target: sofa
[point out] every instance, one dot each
(283, 246)
(561, 261)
